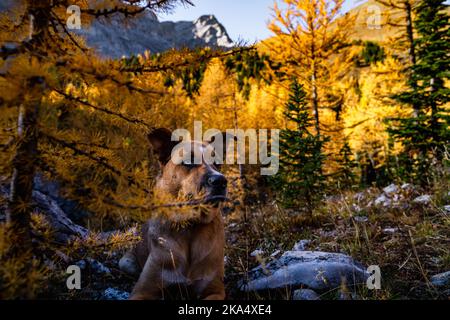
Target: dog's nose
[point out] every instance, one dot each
(217, 181)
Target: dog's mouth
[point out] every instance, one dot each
(215, 199)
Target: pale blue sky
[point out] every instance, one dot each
(243, 19)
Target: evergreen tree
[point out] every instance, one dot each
(346, 176)
(300, 177)
(372, 53)
(426, 134)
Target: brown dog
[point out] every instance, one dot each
(193, 255)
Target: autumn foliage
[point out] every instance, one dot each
(70, 116)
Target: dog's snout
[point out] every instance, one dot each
(217, 181)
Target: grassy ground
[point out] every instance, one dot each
(409, 241)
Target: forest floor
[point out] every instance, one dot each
(403, 229)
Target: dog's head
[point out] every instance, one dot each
(186, 178)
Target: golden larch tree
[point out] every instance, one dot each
(310, 35)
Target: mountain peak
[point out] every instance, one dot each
(207, 18)
(116, 37)
(207, 27)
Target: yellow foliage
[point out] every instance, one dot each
(364, 116)
(15, 283)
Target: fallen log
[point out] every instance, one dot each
(62, 225)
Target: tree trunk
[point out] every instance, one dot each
(411, 51)
(315, 102)
(314, 93)
(236, 127)
(434, 123)
(410, 33)
(18, 216)
(24, 160)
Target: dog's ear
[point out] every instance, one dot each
(162, 145)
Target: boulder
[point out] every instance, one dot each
(275, 253)
(391, 189)
(407, 187)
(114, 294)
(441, 280)
(383, 200)
(257, 253)
(319, 271)
(424, 199)
(390, 230)
(305, 294)
(361, 219)
(94, 266)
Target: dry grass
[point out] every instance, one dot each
(410, 242)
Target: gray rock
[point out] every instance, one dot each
(98, 266)
(390, 230)
(301, 245)
(114, 294)
(391, 189)
(407, 187)
(275, 253)
(305, 294)
(447, 208)
(361, 219)
(316, 270)
(94, 265)
(82, 264)
(256, 253)
(382, 200)
(424, 199)
(441, 280)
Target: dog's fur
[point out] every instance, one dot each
(191, 255)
